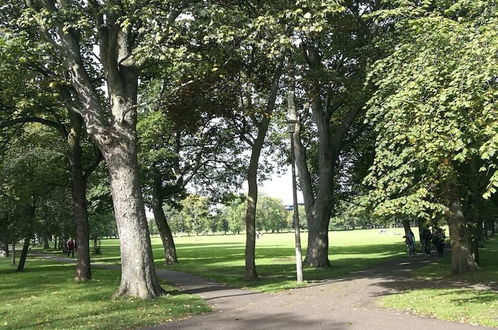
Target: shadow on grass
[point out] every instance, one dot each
(433, 272)
(275, 265)
(479, 297)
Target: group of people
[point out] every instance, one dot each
(436, 236)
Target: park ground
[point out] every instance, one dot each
(45, 296)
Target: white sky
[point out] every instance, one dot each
(281, 187)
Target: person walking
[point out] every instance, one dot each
(410, 243)
(426, 237)
(70, 247)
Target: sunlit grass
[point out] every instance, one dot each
(476, 306)
(46, 296)
(221, 257)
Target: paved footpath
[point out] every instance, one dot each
(347, 303)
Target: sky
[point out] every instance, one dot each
(280, 187)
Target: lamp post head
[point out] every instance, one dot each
(291, 125)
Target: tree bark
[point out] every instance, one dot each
(138, 276)
(406, 226)
(318, 239)
(485, 229)
(24, 253)
(78, 192)
(462, 258)
(162, 223)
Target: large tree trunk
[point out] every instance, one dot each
(78, 191)
(138, 275)
(462, 258)
(162, 223)
(24, 254)
(317, 254)
(485, 229)
(318, 239)
(421, 224)
(406, 226)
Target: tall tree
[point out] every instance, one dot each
(126, 34)
(33, 184)
(433, 107)
(184, 143)
(247, 38)
(329, 66)
(25, 103)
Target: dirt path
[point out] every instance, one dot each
(348, 303)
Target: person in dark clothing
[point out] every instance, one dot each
(70, 247)
(426, 237)
(438, 238)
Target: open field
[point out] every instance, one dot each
(221, 257)
(472, 301)
(46, 296)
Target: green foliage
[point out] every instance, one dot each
(100, 208)
(271, 214)
(195, 212)
(235, 214)
(34, 194)
(434, 108)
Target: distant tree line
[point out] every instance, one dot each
(196, 216)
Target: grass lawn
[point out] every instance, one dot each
(221, 257)
(476, 306)
(45, 296)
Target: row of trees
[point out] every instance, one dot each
(394, 104)
(197, 216)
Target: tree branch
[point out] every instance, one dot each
(46, 122)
